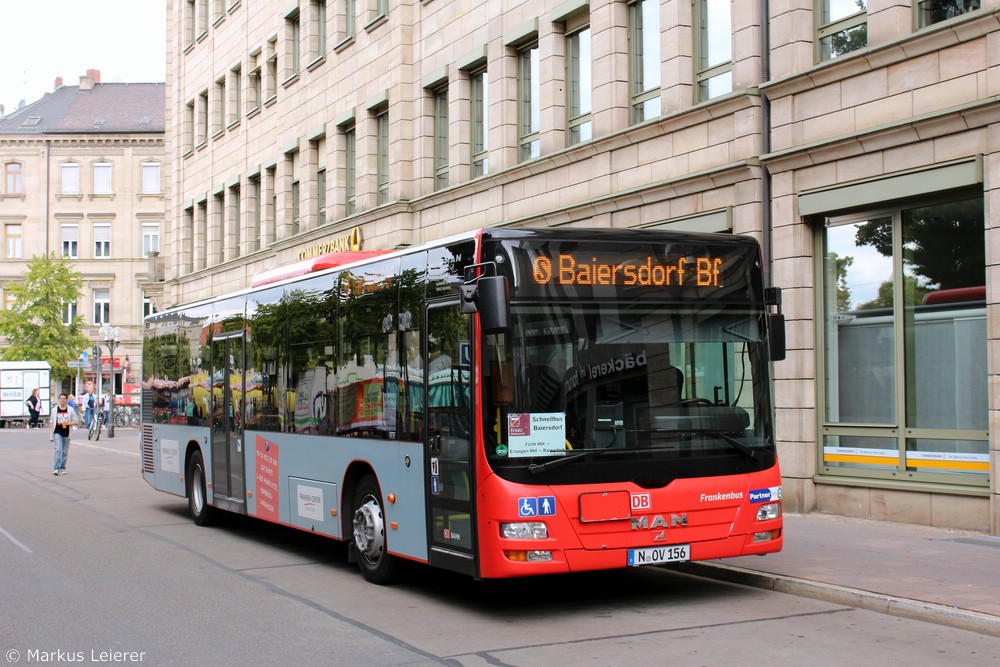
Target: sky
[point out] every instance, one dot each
(42, 40)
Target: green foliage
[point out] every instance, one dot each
(943, 245)
(840, 265)
(33, 328)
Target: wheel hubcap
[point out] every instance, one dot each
(369, 530)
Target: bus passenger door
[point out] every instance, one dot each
(228, 481)
(447, 439)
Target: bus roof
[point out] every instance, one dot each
(312, 264)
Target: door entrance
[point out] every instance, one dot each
(228, 481)
(448, 441)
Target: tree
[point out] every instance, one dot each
(33, 328)
(942, 244)
(840, 265)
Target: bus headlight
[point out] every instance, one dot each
(526, 530)
(768, 511)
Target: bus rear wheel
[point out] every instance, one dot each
(369, 544)
(201, 512)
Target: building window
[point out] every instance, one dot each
(186, 241)
(70, 178)
(236, 222)
(202, 18)
(219, 227)
(102, 178)
(271, 71)
(102, 240)
(219, 111)
(480, 123)
(189, 22)
(350, 169)
(271, 202)
(714, 75)
(70, 241)
(15, 241)
(644, 59)
(202, 120)
(255, 90)
(904, 328)
(235, 101)
(528, 103)
(151, 178)
(69, 312)
(441, 137)
(350, 18)
(148, 308)
(930, 12)
(253, 183)
(293, 37)
(102, 306)
(296, 199)
(13, 178)
(190, 123)
(150, 238)
(382, 157)
(199, 250)
(318, 29)
(843, 27)
(579, 88)
(321, 196)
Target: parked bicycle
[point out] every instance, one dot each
(127, 415)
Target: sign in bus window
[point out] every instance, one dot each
(536, 434)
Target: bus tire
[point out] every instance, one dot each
(369, 542)
(201, 512)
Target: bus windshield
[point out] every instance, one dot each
(616, 391)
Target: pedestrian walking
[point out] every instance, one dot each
(106, 405)
(63, 418)
(90, 407)
(34, 408)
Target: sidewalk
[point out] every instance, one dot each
(931, 574)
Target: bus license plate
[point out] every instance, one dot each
(654, 555)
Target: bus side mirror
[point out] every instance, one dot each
(776, 335)
(489, 296)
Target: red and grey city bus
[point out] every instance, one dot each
(503, 403)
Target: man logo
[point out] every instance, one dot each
(643, 523)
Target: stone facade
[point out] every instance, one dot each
(104, 218)
(269, 103)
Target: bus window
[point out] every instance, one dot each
(368, 362)
(266, 353)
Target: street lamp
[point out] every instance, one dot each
(112, 338)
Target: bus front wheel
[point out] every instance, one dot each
(369, 545)
(198, 506)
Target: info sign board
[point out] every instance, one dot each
(17, 380)
(536, 434)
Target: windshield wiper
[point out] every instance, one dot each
(743, 449)
(539, 468)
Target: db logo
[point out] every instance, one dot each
(642, 501)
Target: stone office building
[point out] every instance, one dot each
(858, 141)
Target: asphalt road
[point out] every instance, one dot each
(97, 567)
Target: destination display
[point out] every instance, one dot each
(644, 271)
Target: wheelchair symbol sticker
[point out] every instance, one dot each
(541, 506)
